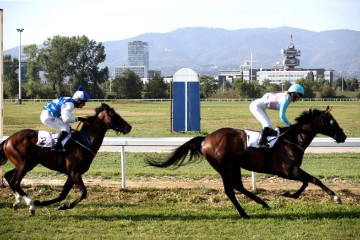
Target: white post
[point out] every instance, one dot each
(1, 77)
(253, 180)
(20, 30)
(123, 184)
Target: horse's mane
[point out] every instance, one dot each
(104, 106)
(307, 116)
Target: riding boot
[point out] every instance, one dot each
(57, 146)
(263, 143)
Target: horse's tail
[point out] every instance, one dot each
(177, 158)
(3, 158)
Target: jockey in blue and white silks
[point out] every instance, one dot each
(58, 114)
(275, 101)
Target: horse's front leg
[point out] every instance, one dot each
(83, 192)
(301, 175)
(65, 191)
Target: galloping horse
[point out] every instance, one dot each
(226, 150)
(21, 149)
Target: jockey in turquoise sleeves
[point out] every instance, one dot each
(275, 101)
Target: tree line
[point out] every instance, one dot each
(64, 63)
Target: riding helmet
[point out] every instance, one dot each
(296, 88)
(80, 94)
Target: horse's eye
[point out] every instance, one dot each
(332, 122)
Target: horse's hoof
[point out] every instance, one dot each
(16, 206)
(63, 207)
(337, 200)
(267, 207)
(287, 194)
(32, 212)
(245, 217)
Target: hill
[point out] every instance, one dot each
(209, 49)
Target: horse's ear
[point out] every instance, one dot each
(328, 109)
(105, 106)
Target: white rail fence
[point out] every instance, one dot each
(167, 144)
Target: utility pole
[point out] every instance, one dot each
(20, 30)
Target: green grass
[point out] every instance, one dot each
(181, 213)
(196, 213)
(152, 119)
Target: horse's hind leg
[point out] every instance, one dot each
(14, 178)
(229, 191)
(65, 191)
(240, 187)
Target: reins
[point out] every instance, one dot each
(85, 137)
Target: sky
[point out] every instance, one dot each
(108, 20)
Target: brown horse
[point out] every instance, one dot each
(226, 150)
(80, 150)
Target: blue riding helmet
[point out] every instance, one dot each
(80, 94)
(296, 88)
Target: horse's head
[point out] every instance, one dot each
(331, 127)
(322, 122)
(111, 119)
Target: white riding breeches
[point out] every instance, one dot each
(258, 109)
(54, 122)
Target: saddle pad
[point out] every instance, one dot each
(253, 136)
(45, 139)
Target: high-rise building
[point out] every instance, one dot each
(138, 60)
(138, 54)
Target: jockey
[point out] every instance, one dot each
(58, 115)
(275, 101)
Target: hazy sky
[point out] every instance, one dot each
(106, 20)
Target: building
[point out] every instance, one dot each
(279, 73)
(138, 60)
(140, 71)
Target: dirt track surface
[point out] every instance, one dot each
(269, 183)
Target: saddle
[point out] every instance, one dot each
(253, 138)
(46, 139)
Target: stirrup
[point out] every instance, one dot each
(56, 147)
(267, 145)
(263, 145)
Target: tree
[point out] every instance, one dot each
(310, 76)
(341, 83)
(11, 66)
(308, 87)
(33, 88)
(251, 89)
(208, 86)
(128, 86)
(56, 59)
(352, 84)
(85, 67)
(156, 88)
(326, 91)
(74, 60)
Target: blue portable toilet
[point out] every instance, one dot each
(186, 100)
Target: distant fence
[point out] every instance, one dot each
(203, 100)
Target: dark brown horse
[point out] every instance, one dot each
(226, 150)
(80, 150)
